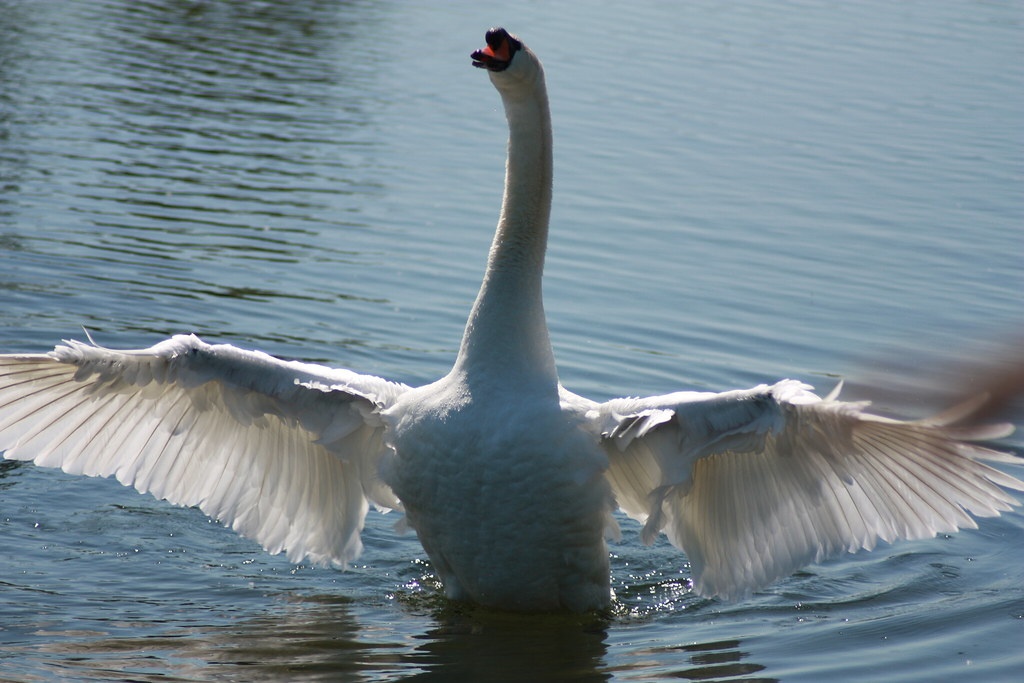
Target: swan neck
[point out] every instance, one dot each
(507, 323)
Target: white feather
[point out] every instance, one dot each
(753, 485)
(283, 452)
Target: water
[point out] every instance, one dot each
(743, 193)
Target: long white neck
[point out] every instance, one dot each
(507, 332)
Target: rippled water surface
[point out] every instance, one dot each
(744, 191)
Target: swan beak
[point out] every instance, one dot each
(498, 53)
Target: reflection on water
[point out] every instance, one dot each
(330, 638)
(325, 638)
(718, 661)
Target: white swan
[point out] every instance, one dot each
(509, 480)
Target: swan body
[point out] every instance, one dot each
(508, 479)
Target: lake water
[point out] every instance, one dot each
(744, 192)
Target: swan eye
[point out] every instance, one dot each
(497, 56)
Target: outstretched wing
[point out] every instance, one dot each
(284, 452)
(752, 485)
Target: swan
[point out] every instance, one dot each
(509, 480)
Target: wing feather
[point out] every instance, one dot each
(283, 452)
(754, 484)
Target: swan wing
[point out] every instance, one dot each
(753, 485)
(283, 452)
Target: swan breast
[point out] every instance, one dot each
(507, 496)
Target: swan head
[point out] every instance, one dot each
(506, 58)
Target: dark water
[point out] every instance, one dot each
(743, 193)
